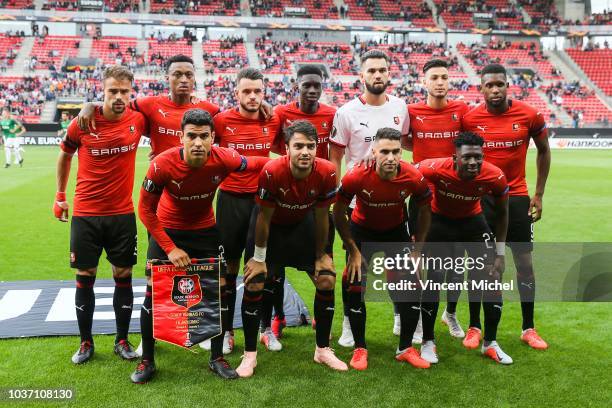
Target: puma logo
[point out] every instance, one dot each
(251, 313)
(528, 285)
(416, 308)
(421, 118)
(365, 124)
(429, 312)
(481, 128)
(232, 130)
(155, 167)
(268, 290)
(96, 135)
(268, 174)
(446, 183)
(498, 306)
(126, 307)
(146, 310)
(178, 183)
(164, 114)
(368, 193)
(355, 310)
(81, 308)
(329, 308)
(225, 309)
(283, 191)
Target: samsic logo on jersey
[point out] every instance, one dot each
(249, 146)
(186, 291)
(437, 135)
(170, 132)
(502, 144)
(113, 150)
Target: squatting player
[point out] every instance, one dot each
(103, 210)
(307, 107)
(379, 216)
(11, 130)
(507, 126)
(459, 182)
(355, 125)
(291, 228)
(434, 124)
(176, 208)
(245, 129)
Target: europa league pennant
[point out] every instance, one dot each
(186, 301)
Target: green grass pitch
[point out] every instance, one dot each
(571, 373)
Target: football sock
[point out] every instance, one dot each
(526, 285)
(85, 303)
(409, 318)
(267, 303)
(123, 298)
(345, 286)
(279, 294)
(357, 314)
(251, 305)
(146, 326)
(324, 315)
(230, 291)
(492, 316)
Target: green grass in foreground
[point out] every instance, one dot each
(571, 373)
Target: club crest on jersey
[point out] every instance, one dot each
(324, 125)
(403, 194)
(265, 130)
(132, 128)
(454, 117)
(186, 290)
(396, 120)
(312, 193)
(516, 127)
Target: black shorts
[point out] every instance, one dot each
(413, 215)
(233, 218)
(520, 223)
(473, 233)
(200, 243)
(116, 234)
(291, 245)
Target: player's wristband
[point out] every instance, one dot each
(260, 254)
(500, 248)
(60, 196)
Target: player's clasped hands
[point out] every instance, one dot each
(179, 258)
(253, 268)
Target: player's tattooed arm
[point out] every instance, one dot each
(354, 255)
(256, 266)
(85, 119)
(543, 160)
(60, 205)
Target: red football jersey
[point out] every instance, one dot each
(165, 118)
(433, 130)
(181, 195)
(456, 198)
(507, 138)
(380, 203)
(322, 120)
(105, 175)
(292, 198)
(250, 137)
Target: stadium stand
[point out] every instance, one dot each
(24, 96)
(224, 55)
(543, 13)
(419, 16)
(361, 9)
(320, 9)
(9, 47)
(115, 50)
(456, 13)
(597, 64)
(51, 50)
(17, 4)
(577, 99)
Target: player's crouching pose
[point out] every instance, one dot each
(379, 216)
(176, 208)
(459, 183)
(286, 235)
(103, 209)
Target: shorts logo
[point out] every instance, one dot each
(445, 183)
(72, 257)
(186, 290)
(312, 193)
(516, 127)
(403, 194)
(396, 120)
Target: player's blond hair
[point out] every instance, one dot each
(118, 72)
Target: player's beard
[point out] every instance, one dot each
(118, 108)
(250, 109)
(377, 89)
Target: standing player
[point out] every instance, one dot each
(176, 207)
(307, 107)
(459, 182)
(379, 216)
(11, 130)
(103, 210)
(242, 128)
(507, 126)
(64, 122)
(163, 112)
(434, 124)
(355, 125)
(292, 226)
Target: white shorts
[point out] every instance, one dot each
(12, 143)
